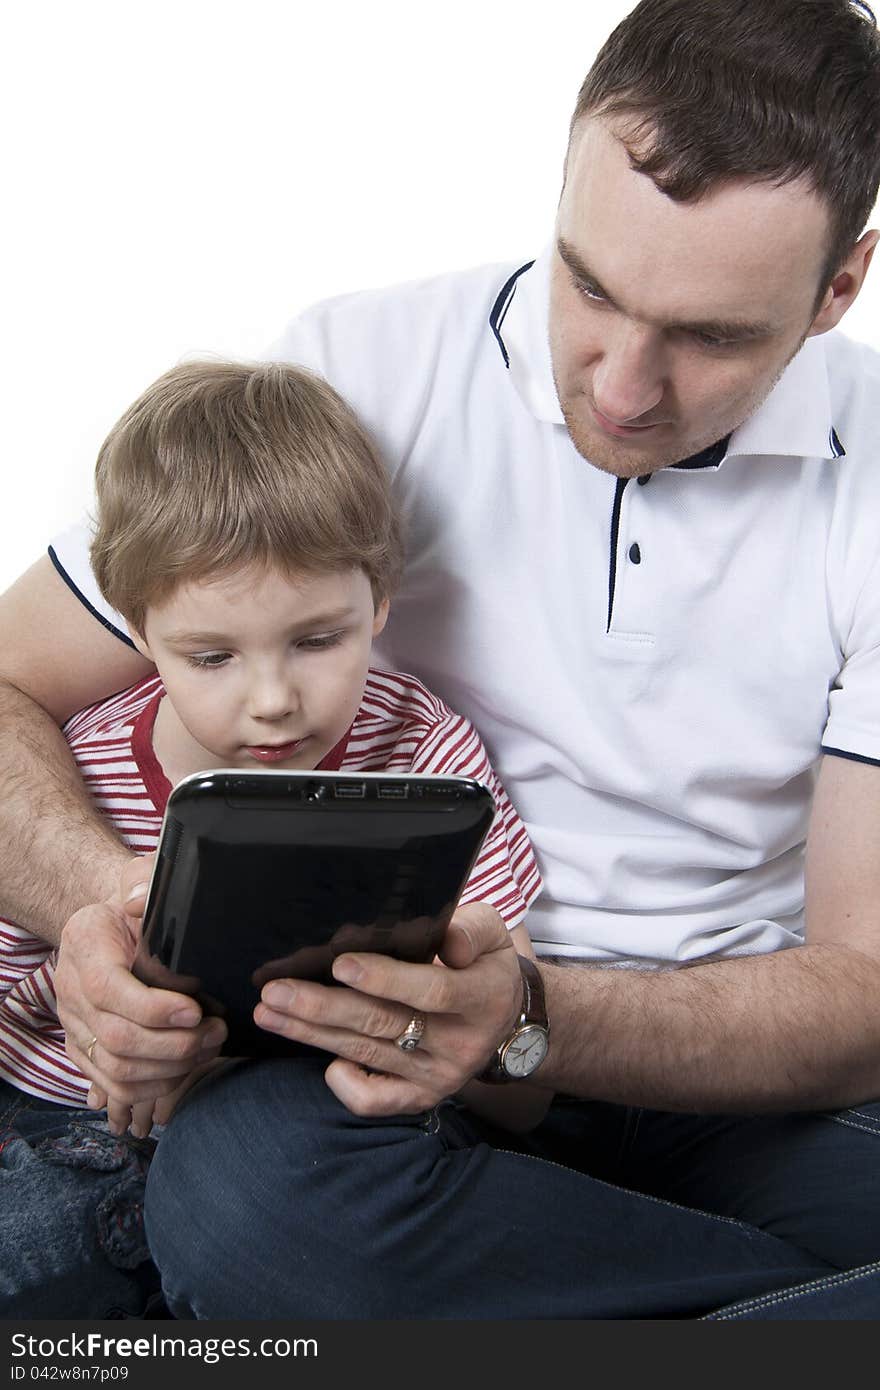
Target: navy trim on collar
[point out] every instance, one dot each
(501, 306)
(836, 446)
(710, 457)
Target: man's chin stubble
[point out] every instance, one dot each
(623, 460)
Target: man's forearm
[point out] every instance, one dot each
(57, 852)
(796, 1030)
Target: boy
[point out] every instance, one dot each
(246, 532)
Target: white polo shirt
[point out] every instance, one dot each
(654, 665)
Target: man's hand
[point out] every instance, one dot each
(146, 1041)
(470, 1006)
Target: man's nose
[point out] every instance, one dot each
(628, 380)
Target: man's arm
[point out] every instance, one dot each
(798, 1029)
(56, 849)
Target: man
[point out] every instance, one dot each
(642, 559)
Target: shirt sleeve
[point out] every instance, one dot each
(28, 1011)
(505, 875)
(853, 727)
(20, 955)
(69, 553)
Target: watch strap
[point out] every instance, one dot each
(533, 1012)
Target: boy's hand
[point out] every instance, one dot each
(141, 1117)
(469, 1008)
(146, 1041)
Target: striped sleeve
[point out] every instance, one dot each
(403, 727)
(32, 1050)
(505, 875)
(32, 1054)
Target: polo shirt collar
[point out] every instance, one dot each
(519, 320)
(794, 420)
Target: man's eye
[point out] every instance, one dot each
(709, 340)
(592, 292)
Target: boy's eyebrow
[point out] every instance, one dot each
(713, 328)
(183, 636)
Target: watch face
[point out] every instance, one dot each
(525, 1052)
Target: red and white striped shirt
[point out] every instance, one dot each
(400, 727)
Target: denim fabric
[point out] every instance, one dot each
(267, 1199)
(812, 1180)
(72, 1239)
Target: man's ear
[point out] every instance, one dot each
(844, 288)
(381, 617)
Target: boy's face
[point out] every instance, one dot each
(261, 669)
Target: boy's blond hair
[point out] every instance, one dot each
(219, 465)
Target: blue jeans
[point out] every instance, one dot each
(267, 1199)
(72, 1241)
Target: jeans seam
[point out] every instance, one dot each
(832, 1281)
(866, 1129)
(751, 1231)
(14, 1109)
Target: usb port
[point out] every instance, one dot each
(393, 791)
(350, 789)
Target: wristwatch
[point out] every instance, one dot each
(520, 1055)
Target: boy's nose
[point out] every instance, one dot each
(270, 700)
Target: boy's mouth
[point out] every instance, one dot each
(273, 752)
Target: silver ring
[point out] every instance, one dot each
(412, 1033)
(90, 1049)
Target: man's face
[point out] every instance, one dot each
(260, 668)
(671, 322)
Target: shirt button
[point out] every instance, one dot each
(643, 479)
(635, 554)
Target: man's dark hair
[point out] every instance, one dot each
(770, 90)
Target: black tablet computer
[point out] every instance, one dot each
(268, 874)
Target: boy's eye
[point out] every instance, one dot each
(319, 642)
(206, 661)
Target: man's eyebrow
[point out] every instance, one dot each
(579, 270)
(743, 329)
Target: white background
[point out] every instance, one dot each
(185, 176)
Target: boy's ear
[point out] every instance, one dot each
(381, 617)
(139, 641)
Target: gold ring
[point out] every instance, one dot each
(412, 1034)
(90, 1049)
